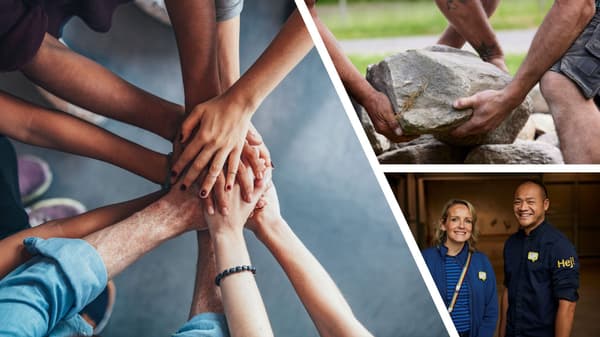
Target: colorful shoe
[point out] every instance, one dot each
(52, 209)
(35, 177)
(97, 313)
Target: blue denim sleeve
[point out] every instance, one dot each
(54, 286)
(207, 324)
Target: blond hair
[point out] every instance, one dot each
(441, 235)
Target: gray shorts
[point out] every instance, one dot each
(581, 63)
(228, 9)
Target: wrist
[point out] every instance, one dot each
(515, 93)
(246, 101)
(271, 230)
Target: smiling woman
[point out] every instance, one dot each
(463, 276)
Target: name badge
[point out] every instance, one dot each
(482, 275)
(533, 256)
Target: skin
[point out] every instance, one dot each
(322, 299)
(376, 103)
(561, 26)
(469, 22)
(530, 206)
(458, 227)
(222, 123)
(34, 125)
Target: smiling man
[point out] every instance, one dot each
(541, 271)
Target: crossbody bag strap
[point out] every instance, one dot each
(459, 283)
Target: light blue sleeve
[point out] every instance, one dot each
(52, 287)
(204, 325)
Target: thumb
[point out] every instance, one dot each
(464, 102)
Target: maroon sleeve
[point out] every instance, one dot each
(22, 29)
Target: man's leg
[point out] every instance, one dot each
(450, 37)
(577, 118)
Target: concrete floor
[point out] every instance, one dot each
(327, 189)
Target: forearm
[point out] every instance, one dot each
(194, 24)
(503, 312)
(228, 42)
(244, 308)
(31, 124)
(561, 26)
(123, 243)
(13, 251)
(207, 296)
(354, 82)
(564, 318)
(85, 83)
(322, 299)
(290, 45)
(469, 18)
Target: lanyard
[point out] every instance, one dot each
(459, 283)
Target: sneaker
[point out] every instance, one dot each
(97, 313)
(52, 209)
(34, 177)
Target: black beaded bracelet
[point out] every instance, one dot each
(233, 270)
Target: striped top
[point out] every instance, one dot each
(461, 314)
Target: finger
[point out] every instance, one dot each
(246, 182)
(264, 153)
(220, 194)
(214, 170)
(190, 123)
(261, 185)
(197, 166)
(209, 205)
(256, 164)
(186, 157)
(467, 129)
(464, 102)
(253, 137)
(232, 167)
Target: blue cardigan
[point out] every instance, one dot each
(482, 282)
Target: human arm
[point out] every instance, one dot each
(322, 299)
(13, 251)
(34, 125)
(224, 120)
(85, 83)
(490, 315)
(561, 26)
(470, 20)
(564, 318)
(503, 313)
(244, 308)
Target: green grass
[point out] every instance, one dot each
(513, 61)
(385, 19)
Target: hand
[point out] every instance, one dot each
(499, 62)
(238, 211)
(266, 214)
(490, 108)
(186, 203)
(214, 133)
(380, 110)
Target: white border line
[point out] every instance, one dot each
(487, 168)
(387, 191)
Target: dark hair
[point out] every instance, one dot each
(537, 182)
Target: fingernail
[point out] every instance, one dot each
(210, 210)
(203, 194)
(182, 187)
(228, 188)
(173, 174)
(259, 175)
(247, 198)
(398, 131)
(225, 211)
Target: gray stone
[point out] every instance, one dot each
(423, 84)
(549, 138)
(379, 142)
(521, 152)
(424, 150)
(544, 123)
(528, 131)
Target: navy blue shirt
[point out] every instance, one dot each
(539, 269)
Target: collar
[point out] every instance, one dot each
(537, 231)
(461, 256)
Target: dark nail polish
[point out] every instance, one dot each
(182, 187)
(272, 166)
(173, 174)
(203, 194)
(228, 188)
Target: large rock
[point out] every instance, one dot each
(528, 131)
(544, 123)
(549, 138)
(422, 84)
(538, 101)
(521, 152)
(424, 150)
